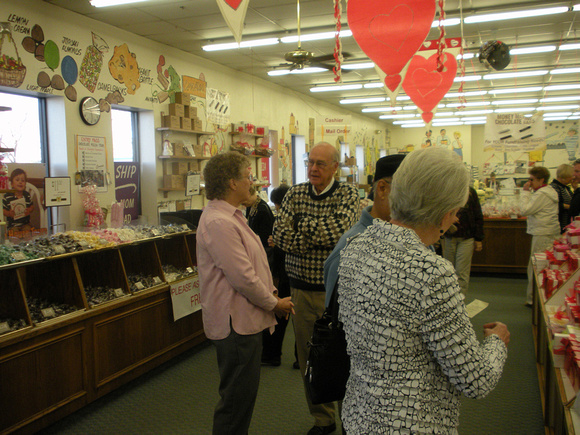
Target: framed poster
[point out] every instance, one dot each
(57, 191)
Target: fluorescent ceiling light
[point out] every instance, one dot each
(243, 44)
(446, 23)
(413, 125)
(409, 107)
(474, 112)
(464, 94)
(443, 124)
(408, 121)
(574, 117)
(336, 88)
(363, 100)
(558, 99)
(466, 56)
(565, 107)
(576, 8)
(522, 101)
(510, 75)
(444, 114)
(283, 72)
(408, 115)
(515, 109)
(533, 50)
(557, 114)
(401, 98)
(516, 14)
(574, 46)
(315, 36)
(561, 87)
(565, 71)
(516, 90)
(474, 118)
(447, 120)
(467, 79)
(374, 85)
(360, 65)
(382, 109)
(563, 118)
(473, 104)
(474, 122)
(106, 3)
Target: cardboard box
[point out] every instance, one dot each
(179, 168)
(238, 128)
(170, 121)
(194, 166)
(176, 109)
(190, 112)
(198, 148)
(174, 181)
(185, 123)
(183, 98)
(198, 126)
(178, 150)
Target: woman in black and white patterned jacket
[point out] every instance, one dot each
(412, 346)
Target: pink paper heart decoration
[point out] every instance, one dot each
(234, 4)
(390, 31)
(425, 85)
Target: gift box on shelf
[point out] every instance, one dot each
(183, 98)
(170, 121)
(176, 109)
(190, 112)
(250, 128)
(559, 344)
(573, 236)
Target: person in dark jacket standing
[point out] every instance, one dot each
(460, 244)
(564, 175)
(575, 203)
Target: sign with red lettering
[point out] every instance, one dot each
(185, 297)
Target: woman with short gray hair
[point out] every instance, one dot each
(564, 175)
(238, 297)
(413, 351)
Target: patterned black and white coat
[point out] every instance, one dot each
(308, 227)
(412, 346)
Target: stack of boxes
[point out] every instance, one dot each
(181, 114)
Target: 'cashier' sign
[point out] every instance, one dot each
(185, 297)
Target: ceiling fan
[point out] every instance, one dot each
(300, 58)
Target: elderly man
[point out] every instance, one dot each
(385, 168)
(311, 220)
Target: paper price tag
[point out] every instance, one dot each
(84, 244)
(4, 327)
(18, 256)
(48, 313)
(189, 270)
(157, 280)
(59, 249)
(185, 227)
(139, 285)
(155, 231)
(119, 292)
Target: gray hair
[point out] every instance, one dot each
(335, 154)
(564, 171)
(220, 169)
(430, 183)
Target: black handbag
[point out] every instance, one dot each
(328, 364)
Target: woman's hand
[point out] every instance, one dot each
(284, 307)
(527, 185)
(498, 329)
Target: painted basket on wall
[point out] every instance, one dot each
(12, 77)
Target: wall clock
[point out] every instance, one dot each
(90, 110)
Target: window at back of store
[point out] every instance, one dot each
(20, 128)
(124, 142)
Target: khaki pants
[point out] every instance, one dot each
(309, 307)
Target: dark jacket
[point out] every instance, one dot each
(564, 197)
(470, 225)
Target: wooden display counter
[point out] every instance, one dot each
(54, 367)
(506, 247)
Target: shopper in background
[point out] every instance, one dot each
(539, 202)
(412, 346)
(574, 209)
(260, 217)
(384, 170)
(272, 343)
(312, 218)
(238, 297)
(464, 237)
(564, 176)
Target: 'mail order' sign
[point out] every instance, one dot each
(185, 297)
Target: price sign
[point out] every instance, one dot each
(48, 313)
(157, 280)
(4, 327)
(18, 256)
(189, 270)
(139, 285)
(119, 292)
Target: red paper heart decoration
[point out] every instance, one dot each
(390, 31)
(234, 4)
(425, 85)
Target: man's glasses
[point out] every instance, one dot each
(320, 163)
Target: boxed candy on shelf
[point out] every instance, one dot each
(553, 279)
(573, 236)
(559, 344)
(262, 131)
(183, 98)
(542, 261)
(196, 124)
(558, 319)
(560, 251)
(573, 257)
(238, 128)
(250, 128)
(185, 123)
(190, 112)
(176, 109)
(170, 121)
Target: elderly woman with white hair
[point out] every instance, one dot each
(412, 347)
(564, 175)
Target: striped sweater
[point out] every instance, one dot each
(308, 227)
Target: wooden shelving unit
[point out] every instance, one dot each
(51, 368)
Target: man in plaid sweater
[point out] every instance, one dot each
(311, 220)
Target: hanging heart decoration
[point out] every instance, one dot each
(390, 31)
(425, 85)
(234, 4)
